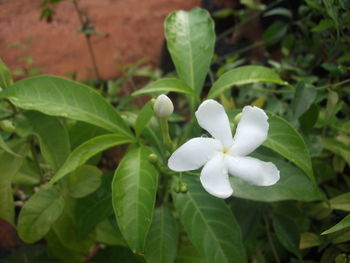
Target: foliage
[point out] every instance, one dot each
(55, 136)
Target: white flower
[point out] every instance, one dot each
(222, 154)
(163, 106)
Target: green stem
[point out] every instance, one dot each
(165, 132)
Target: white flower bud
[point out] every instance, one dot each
(163, 107)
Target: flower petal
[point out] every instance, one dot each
(193, 154)
(251, 131)
(253, 170)
(214, 177)
(212, 117)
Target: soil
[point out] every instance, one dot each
(134, 28)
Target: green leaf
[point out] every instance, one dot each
(338, 148)
(189, 255)
(287, 233)
(6, 148)
(303, 99)
(286, 141)
(39, 213)
(94, 208)
(106, 233)
(61, 97)
(190, 39)
(53, 137)
(9, 166)
(63, 240)
(166, 85)
(309, 239)
(344, 223)
(324, 24)
(209, 224)
(5, 76)
(242, 76)
(86, 150)
(341, 202)
(162, 239)
(275, 33)
(143, 118)
(293, 185)
(84, 180)
(134, 190)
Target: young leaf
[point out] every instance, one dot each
(143, 118)
(5, 76)
(190, 39)
(86, 150)
(6, 148)
(161, 243)
(84, 180)
(166, 85)
(133, 195)
(209, 224)
(39, 213)
(244, 75)
(344, 223)
(293, 185)
(61, 97)
(286, 141)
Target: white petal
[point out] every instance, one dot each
(253, 170)
(212, 117)
(193, 154)
(214, 177)
(251, 131)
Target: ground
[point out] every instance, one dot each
(134, 28)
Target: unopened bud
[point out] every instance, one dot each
(153, 158)
(163, 107)
(7, 125)
(183, 188)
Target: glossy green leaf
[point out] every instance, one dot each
(83, 181)
(344, 223)
(134, 190)
(9, 166)
(166, 85)
(53, 137)
(293, 185)
(341, 202)
(162, 239)
(86, 150)
(5, 76)
(285, 140)
(190, 39)
(143, 118)
(61, 97)
(39, 213)
(209, 224)
(244, 75)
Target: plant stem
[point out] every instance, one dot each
(165, 132)
(83, 23)
(269, 237)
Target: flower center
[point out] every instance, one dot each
(225, 150)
